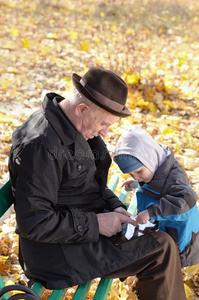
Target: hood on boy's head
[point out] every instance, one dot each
(127, 163)
(136, 142)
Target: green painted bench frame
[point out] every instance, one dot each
(6, 200)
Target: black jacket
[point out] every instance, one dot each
(59, 184)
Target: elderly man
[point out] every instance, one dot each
(67, 218)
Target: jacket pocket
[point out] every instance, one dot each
(78, 171)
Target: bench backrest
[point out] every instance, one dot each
(6, 198)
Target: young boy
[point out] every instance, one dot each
(164, 193)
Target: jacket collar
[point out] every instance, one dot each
(63, 126)
(161, 174)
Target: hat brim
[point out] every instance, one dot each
(76, 82)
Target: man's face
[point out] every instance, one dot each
(96, 124)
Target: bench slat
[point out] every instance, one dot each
(6, 296)
(38, 288)
(82, 291)
(58, 294)
(133, 204)
(103, 289)
(6, 198)
(124, 195)
(113, 183)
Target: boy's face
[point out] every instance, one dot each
(142, 174)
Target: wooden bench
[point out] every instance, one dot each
(6, 201)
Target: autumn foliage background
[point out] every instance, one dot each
(152, 44)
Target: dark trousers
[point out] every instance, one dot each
(159, 272)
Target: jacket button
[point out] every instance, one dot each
(80, 228)
(79, 168)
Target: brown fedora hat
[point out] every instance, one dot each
(104, 88)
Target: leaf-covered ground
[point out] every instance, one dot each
(152, 44)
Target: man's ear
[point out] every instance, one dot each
(80, 109)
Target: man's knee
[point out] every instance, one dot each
(164, 239)
(167, 247)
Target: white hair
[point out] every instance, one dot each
(76, 98)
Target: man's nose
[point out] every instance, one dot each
(104, 131)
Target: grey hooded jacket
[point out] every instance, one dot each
(168, 197)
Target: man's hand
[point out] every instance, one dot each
(143, 217)
(122, 210)
(110, 223)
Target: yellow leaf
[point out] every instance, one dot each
(65, 79)
(99, 61)
(168, 85)
(167, 131)
(13, 279)
(25, 43)
(152, 107)
(114, 293)
(124, 294)
(196, 174)
(130, 31)
(14, 32)
(142, 103)
(102, 15)
(181, 62)
(6, 118)
(3, 258)
(125, 176)
(45, 50)
(73, 35)
(127, 72)
(98, 40)
(147, 31)
(8, 46)
(51, 21)
(52, 35)
(132, 79)
(84, 46)
(114, 28)
(12, 70)
(185, 76)
(190, 271)
(9, 282)
(169, 103)
(4, 265)
(189, 293)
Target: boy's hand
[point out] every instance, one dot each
(130, 184)
(143, 217)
